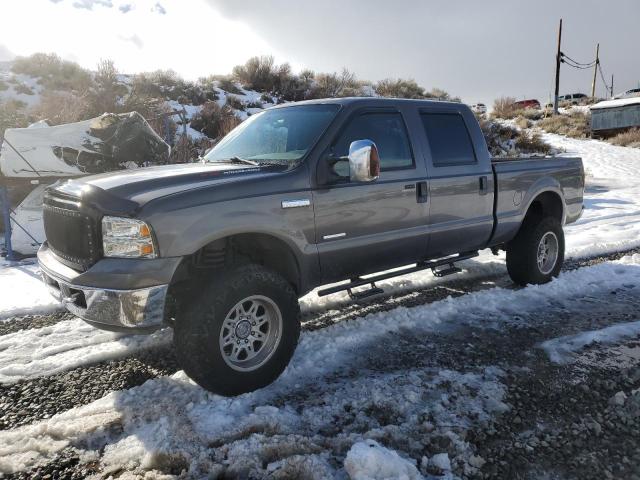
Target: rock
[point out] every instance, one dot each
(618, 399)
(440, 462)
(476, 461)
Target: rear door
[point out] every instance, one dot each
(367, 227)
(460, 183)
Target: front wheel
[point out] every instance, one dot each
(239, 334)
(536, 254)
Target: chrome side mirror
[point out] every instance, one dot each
(364, 161)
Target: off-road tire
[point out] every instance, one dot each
(522, 251)
(198, 328)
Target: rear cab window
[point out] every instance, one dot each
(449, 139)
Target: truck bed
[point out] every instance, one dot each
(517, 180)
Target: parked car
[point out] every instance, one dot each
(479, 108)
(574, 98)
(296, 197)
(634, 92)
(524, 104)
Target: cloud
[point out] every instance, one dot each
(477, 49)
(125, 7)
(135, 39)
(55, 1)
(89, 4)
(157, 8)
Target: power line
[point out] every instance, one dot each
(590, 64)
(608, 87)
(586, 67)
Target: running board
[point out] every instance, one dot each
(433, 265)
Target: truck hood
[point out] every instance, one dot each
(142, 185)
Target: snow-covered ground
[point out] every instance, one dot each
(22, 290)
(344, 399)
(611, 221)
(171, 417)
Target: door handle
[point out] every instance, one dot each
(421, 192)
(484, 185)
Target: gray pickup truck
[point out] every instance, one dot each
(296, 197)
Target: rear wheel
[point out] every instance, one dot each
(536, 254)
(239, 334)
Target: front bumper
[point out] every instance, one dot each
(139, 310)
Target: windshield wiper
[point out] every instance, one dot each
(245, 161)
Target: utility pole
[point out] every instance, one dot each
(612, 85)
(558, 59)
(595, 71)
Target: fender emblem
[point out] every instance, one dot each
(302, 202)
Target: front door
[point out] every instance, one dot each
(367, 227)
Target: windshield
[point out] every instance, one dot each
(280, 136)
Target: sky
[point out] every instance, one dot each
(478, 50)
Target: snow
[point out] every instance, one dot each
(172, 417)
(23, 290)
(560, 349)
(28, 230)
(620, 102)
(611, 220)
(66, 345)
(13, 80)
(371, 461)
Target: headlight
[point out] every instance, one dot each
(127, 237)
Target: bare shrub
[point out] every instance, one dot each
(258, 73)
(169, 85)
(522, 122)
(3, 85)
(440, 94)
(107, 92)
(530, 143)
(183, 151)
(12, 115)
(506, 108)
(266, 98)
(532, 114)
(630, 138)
(331, 85)
(53, 72)
(62, 107)
(235, 103)
(399, 88)
(187, 149)
(505, 141)
(23, 88)
(215, 121)
(228, 86)
(575, 124)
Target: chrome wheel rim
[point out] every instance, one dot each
(250, 333)
(547, 253)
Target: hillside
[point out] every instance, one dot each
(192, 115)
